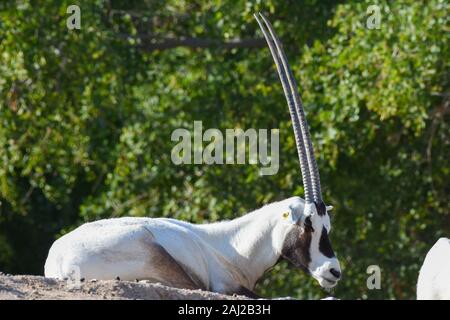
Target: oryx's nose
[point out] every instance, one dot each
(335, 273)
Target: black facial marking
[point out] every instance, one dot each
(296, 248)
(321, 208)
(325, 245)
(308, 225)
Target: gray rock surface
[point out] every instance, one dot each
(37, 287)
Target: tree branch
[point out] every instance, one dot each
(201, 43)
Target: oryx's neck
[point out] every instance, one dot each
(251, 243)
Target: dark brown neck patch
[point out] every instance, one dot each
(296, 248)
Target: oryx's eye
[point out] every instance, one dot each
(308, 225)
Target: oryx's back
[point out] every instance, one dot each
(122, 247)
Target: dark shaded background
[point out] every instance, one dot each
(86, 117)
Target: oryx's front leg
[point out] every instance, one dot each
(165, 269)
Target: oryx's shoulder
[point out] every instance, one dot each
(125, 229)
(136, 222)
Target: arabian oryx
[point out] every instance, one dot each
(226, 257)
(434, 277)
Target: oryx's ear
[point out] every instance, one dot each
(329, 208)
(295, 214)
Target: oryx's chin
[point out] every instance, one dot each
(227, 257)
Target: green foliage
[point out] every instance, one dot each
(86, 118)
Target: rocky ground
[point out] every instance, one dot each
(36, 287)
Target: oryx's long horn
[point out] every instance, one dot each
(306, 137)
(297, 126)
